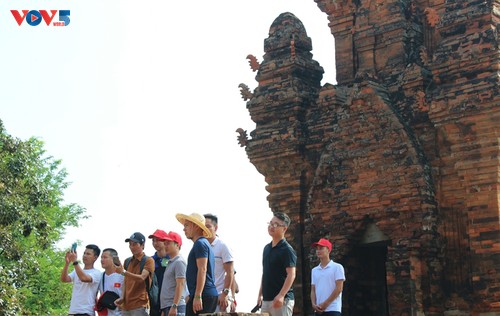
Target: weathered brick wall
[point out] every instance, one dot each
(464, 110)
(407, 143)
(371, 172)
(288, 85)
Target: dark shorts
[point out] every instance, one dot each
(209, 305)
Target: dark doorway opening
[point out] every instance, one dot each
(367, 283)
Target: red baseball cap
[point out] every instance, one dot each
(160, 234)
(173, 236)
(323, 242)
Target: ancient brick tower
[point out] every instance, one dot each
(398, 164)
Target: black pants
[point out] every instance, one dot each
(209, 305)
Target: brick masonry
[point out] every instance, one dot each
(405, 144)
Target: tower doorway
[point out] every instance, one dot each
(367, 282)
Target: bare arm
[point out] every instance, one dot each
(72, 257)
(179, 288)
(84, 277)
(290, 277)
(64, 273)
(234, 286)
(339, 285)
(280, 298)
(144, 274)
(234, 289)
(228, 280)
(201, 278)
(313, 297)
(259, 298)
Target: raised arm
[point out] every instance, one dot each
(64, 272)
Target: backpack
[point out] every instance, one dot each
(153, 290)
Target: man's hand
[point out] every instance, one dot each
(71, 256)
(197, 304)
(317, 308)
(171, 312)
(223, 302)
(321, 307)
(259, 300)
(119, 302)
(119, 269)
(233, 306)
(278, 301)
(66, 257)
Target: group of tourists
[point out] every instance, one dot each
(168, 285)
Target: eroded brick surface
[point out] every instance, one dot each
(398, 163)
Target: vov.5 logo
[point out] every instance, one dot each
(35, 17)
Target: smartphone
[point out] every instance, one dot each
(73, 247)
(256, 308)
(116, 261)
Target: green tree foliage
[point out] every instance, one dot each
(33, 217)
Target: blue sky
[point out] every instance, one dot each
(140, 101)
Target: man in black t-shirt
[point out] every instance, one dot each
(278, 270)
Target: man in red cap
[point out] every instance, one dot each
(159, 240)
(327, 282)
(174, 291)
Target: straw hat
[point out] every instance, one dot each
(197, 219)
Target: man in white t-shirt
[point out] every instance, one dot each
(85, 280)
(327, 282)
(224, 269)
(111, 280)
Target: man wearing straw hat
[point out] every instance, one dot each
(200, 279)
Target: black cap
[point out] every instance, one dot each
(136, 237)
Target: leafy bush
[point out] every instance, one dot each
(32, 220)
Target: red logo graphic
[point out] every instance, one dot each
(35, 17)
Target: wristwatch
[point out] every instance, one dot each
(225, 291)
(173, 305)
(76, 263)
